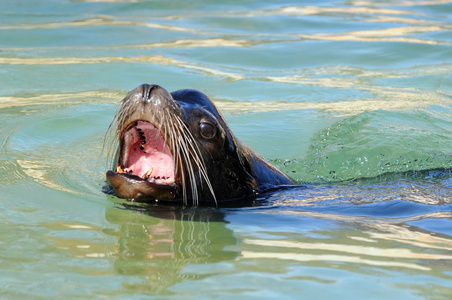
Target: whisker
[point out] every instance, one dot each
(188, 161)
(198, 159)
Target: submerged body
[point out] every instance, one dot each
(176, 147)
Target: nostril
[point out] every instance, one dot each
(155, 94)
(147, 89)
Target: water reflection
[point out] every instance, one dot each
(155, 243)
(100, 21)
(381, 243)
(68, 99)
(355, 243)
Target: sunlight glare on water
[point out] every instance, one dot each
(352, 99)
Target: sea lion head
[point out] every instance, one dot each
(176, 147)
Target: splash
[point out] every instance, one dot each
(374, 143)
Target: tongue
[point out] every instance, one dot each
(148, 150)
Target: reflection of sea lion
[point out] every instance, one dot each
(178, 147)
(158, 242)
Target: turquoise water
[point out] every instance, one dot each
(353, 99)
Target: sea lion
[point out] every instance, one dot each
(176, 147)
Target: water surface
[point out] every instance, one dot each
(353, 99)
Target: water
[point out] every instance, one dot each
(353, 99)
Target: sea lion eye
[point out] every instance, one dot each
(207, 130)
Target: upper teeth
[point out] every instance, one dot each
(147, 174)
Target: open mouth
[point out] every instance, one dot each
(145, 154)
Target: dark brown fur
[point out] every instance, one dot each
(217, 169)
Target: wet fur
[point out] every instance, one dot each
(207, 170)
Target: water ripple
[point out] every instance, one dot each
(101, 21)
